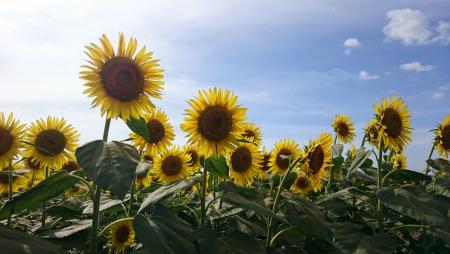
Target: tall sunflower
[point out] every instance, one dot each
(244, 163)
(161, 133)
(318, 160)
(121, 236)
(121, 81)
(194, 155)
(344, 128)
(18, 182)
(51, 142)
(399, 161)
(214, 122)
(443, 137)
(371, 132)
(302, 184)
(394, 129)
(11, 135)
(251, 133)
(172, 164)
(284, 147)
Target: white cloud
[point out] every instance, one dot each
(440, 92)
(411, 27)
(365, 75)
(416, 66)
(351, 43)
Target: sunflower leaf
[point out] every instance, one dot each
(13, 241)
(139, 126)
(217, 166)
(358, 162)
(440, 164)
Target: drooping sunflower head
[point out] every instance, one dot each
(18, 182)
(399, 161)
(371, 133)
(11, 135)
(161, 133)
(278, 161)
(443, 137)
(36, 171)
(264, 165)
(214, 121)
(244, 163)
(194, 158)
(51, 142)
(394, 129)
(70, 165)
(302, 184)
(318, 160)
(121, 81)
(172, 165)
(344, 128)
(121, 236)
(251, 133)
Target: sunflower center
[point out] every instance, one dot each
(122, 79)
(342, 129)
(241, 159)
(393, 122)
(249, 134)
(148, 158)
(6, 140)
(156, 130)
(445, 137)
(373, 133)
(283, 163)
(122, 233)
(264, 165)
(316, 159)
(50, 142)
(215, 123)
(70, 166)
(194, 158)
(4, 179)
(172, 165)
(302, 182)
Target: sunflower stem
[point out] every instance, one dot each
(379, 186)
(133, 187)
(330, 178)
(363, 141)
(44, 204)
(427, 168)
(203, 196)
(10, 186)
(96, 201)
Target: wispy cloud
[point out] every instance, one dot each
(440, 92)
(416, 66)
(365, 75)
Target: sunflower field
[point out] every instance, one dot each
(221, 192)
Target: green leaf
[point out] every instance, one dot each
(367, 164)
(337, 163)
(110, 165)
(441, 185)
(139, 126)
(217, 166)
(290, 179)
(167, 191)
(106, 202)
(401, 176)
(164, 233)
(440, 164)
(444, 235)
(12, 241)
(33, 198)
(70, 208)
(143, 168)
(237, 243)
(204, 237)
(74, 226)
(358, 162)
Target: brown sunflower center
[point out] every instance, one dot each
(6, 140)
(172, 165)
(4, 178)
(122, 79)
(148, 158)
(302, 182)
(393, 122)
(446, 137)
(70, 166)
(241, 159)
(50, 142)
(33, 165)
(215, 123)
(316, 159)
(283, 163)
(156, 130)
(194, 157)
(373, 133)
(342, 129)
(264, 165)
(249, 134)
(122, 233)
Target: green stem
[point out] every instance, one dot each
(96, 201)
(10, 186)
(409, 226)
(44, 205)
(203, 196)
(363, 141)
(427, 168)
(379, 186)
(330, 177)
(278, 234)
(133, 187)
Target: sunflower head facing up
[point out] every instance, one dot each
(121, 81)
(11, 135)
(161, 133)
(121, 236)
(318, 160)
(371, 133)
(284, 147)
(344, 128)
(251, 133)
(302, 184)
(394, 127)
(264, 164)
(443, 138)
(214, 121)
(399, 161)
(194, 155)
(18, 182)
(244, 163)
(51, 142)
(172, 165)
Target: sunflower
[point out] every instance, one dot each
(344, 129)
(194, 162)
(71, 165)
(145, 179)
(352, 152)
(371, 132)
(18, 182)
(302, 184)
(399, 161)
(36, 171)
(161, 133)
(172, 164)
(393, 120)
(285, 147)
(264, 164)
(251, 133)
(244, 163)
(11, 134)
(318, 160)
(443, 137)
(121, 236)
(214, 122)
(121, 82)
(76, 190)
(50, 143)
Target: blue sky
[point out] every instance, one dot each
(293, 64)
